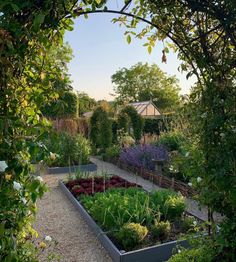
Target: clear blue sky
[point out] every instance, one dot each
(100, 49)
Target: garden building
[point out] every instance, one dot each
(146, 109)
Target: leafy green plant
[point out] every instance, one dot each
(174, 207)
(70, 149)
(131, 234)
(161, 230)
(188, 224)
(200, 254)
(172, 140)
(112, 151)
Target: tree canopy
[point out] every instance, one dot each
(143, 82)
(86, 103)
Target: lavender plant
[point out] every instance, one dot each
(143, 155)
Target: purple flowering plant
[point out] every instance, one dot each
(143, 155)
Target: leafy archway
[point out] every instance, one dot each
(100, 128)
(204, 34)
(130, 122)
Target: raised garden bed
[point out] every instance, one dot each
(160, 180)
(158, 252)
(92, 185)
(73, 169)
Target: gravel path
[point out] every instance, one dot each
(58, 218)
(192, 206)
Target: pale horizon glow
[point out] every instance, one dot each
(100, 49)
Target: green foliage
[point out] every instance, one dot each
(70, 149)
(131, 234)
(174, 207)
(86, 103)
(114, 208)
(200, 254)
(143, 82)
(29, 32)
(131, 122)
(161, 230)
(157, 126)
(172, 140)
(65, 106)
(171, 205)
(100, 128)
(187, 224)
(113, 151)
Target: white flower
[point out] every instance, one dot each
(190, 184)
(179, 250)
(222, 135)
(194, 222)
(23, 200)
(16, 185)
(3, 166)
(171, 168)
(48, 238)
(187, 154)
(39, 178)
(199, 179)
(204, 115)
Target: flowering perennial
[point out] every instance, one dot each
(143, 155)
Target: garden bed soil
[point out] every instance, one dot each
(90, 167)
(156, 253)
(160, 180)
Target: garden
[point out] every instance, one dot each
(191, 155)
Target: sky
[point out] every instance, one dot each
(100, 49)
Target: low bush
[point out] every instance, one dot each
(70, 149)
(174, 207)
(112, 151)
(161, 230)
(172, 140)
(131, 234)
(200, 254)
(188, 224)
(142, 155)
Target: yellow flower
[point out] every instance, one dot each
(42, 245)
(8, 177)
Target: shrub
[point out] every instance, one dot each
(172, 140)
(112, 151)
(187, 224)
(161, 230)
(200, 254)
(171, 205)
(100, 128)
(65, 106)
(142, 155)
(131, 234)
(71, 149)
(174, 207)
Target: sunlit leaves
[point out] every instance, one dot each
(128, 38)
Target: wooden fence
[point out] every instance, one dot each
(160, 180)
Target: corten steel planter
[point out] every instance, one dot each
(66, 169)
(157, 253)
